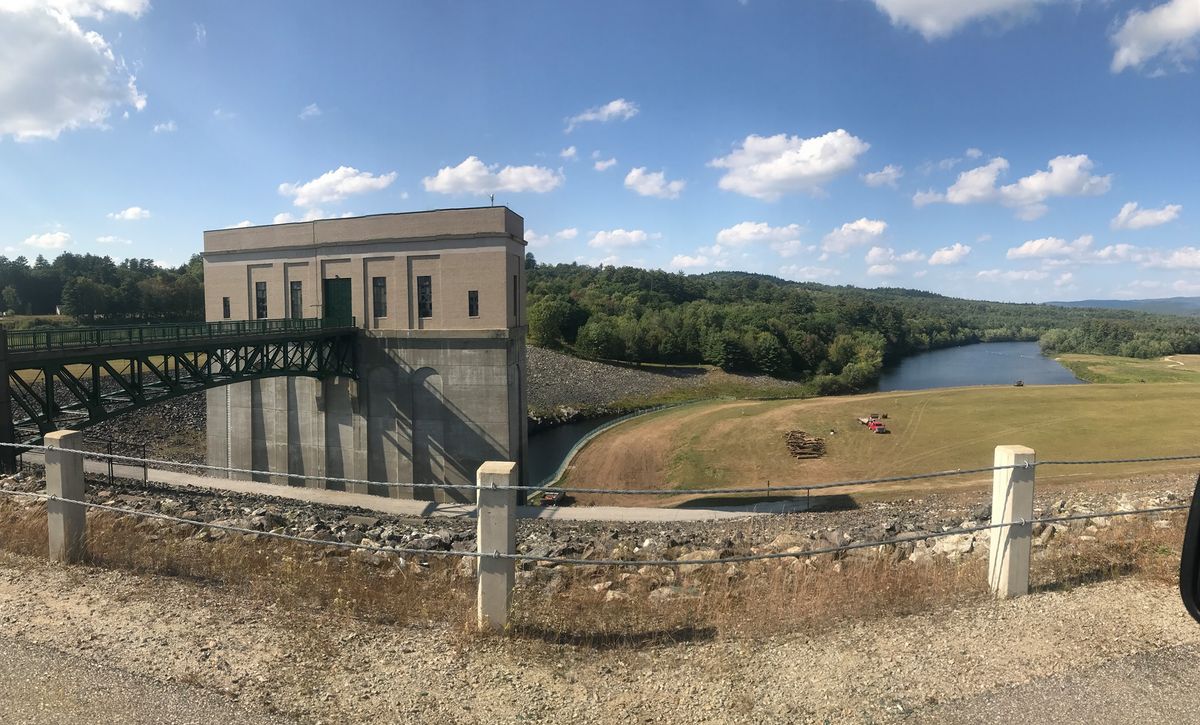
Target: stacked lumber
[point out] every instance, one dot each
(802, 445)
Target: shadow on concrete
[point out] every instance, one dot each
(614, 640)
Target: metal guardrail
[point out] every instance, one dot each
(69, 338)
(106, 448)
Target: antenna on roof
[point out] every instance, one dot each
(491, 200)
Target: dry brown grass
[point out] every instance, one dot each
(571, 605)
(286, 574)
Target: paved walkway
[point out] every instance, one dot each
(42, 686)
(409, 507)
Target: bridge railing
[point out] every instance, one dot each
(67, 338)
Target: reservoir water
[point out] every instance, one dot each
(987, 363)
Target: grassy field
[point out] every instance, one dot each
(1112, 369)
(740, 443)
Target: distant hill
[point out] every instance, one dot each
(1163, 306)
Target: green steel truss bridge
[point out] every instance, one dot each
(77, 377)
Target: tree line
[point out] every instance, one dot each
(837, 337)
(94, 288)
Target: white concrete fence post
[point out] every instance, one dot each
(67, 521)
(497, 534)
(1012, 501)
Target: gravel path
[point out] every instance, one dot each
(42, 686)
(1158, 686)
(322, 668)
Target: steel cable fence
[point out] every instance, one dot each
(681, 489)
(735, 559)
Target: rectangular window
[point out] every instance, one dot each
(225, 308)
(379, 296)
(296, 300)
(424, 296)
(516, 300)
(260, 300)
(473, 303)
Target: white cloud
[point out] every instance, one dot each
(853, 234)
(1133, 217)
(534, 239)
(81, 8)
(883, 260)
(168, 127)
(222, 115)
(1065, 176)
(618, 238)
(133, 213)
(49, 240)
(1066, 279)
(1052, 248)
(473, 176)
(243, 223)
(1118, 253)
(799, 272)
(887, 176)
(309, 215)
(542, 240)
(953, 254)
(683, 261)
(569, 152)
(767, 167)
(655, 183)
(336, 185)
(973, 153)
(618, 110)
(1170, 31)
(784, 240)
(922, 198)
(745, 233)
(201, 34)
(605, 164)
(110, 239)
(1181, 258)
(1012, 275)
(57, 76)
(310, 111)
(935, 19)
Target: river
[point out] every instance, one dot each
(986, 363)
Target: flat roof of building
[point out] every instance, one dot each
(470, 222)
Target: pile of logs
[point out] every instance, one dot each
(802, 445)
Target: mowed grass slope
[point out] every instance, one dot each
(1112, 369)
(740, 443)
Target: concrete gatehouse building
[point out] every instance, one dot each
(440, 300)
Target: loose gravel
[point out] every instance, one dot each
(328, 669)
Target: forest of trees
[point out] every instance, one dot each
(92, 288)
(838, 337)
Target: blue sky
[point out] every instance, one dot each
(1002, 149)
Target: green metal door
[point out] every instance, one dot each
(337, 300)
